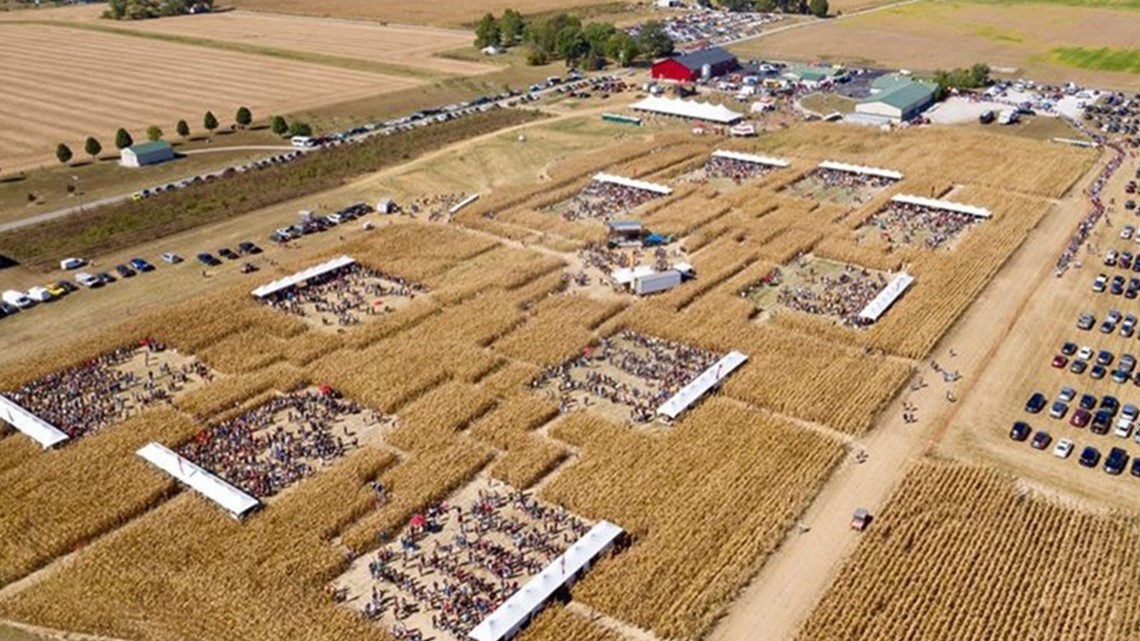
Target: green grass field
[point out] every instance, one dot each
(1103, 59)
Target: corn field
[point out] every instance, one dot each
(959, 553)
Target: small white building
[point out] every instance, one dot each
(148, 153)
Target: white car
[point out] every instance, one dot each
(68, 264)
(88, 280)
(172, 258)
(1063, 448)
(1123, 428)
(1067, 394)
(1127, 232)
(1110, 258)
(1085, 354)
(1100, 284)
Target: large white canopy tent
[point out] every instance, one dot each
(945, 205)
(230, 498)
(302, 276)
(752, 158)
(42, 432)
(510, 617)
(881, 302)
(688, 109)
(700, 385)
(632, 183)
(859, 169)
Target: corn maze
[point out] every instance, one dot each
(474, 367)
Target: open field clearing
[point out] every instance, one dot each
(934, 35)
(408, 46)
(90, 84)
(967, 549)
(410, 12)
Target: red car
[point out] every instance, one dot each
(1080, 418)
(1060, 361)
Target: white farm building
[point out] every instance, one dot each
(148, 153)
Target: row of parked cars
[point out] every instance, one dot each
(312, 223)
(1115, 463)
(13, 301)
(1113, 321)
(1096, 363)
(1106, 411)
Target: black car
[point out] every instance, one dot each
(1116, 461)
(1098, 372)
(1102, 420)
(1020, 431)
(1087, 402)
(1036, 403)
(105, 278)
(1078, 366)
(124, 271)
(1068, 349)
(226, 252)
(8, 308)
(1136, 467)
(208, 259)
(1104, 357)
(1111, 404)
(248, 248)
(987, 117)
(1090, 456)
(1117, 286)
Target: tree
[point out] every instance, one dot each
(653, 40)
(63, 153)
(93, 148)
(738, 5)
(298, 128)
(244, 117)
(511, 27)
(766, 6)
(487, 31)
(598, 34)
(210, 122)
(278, 125)
(183, 129)
(153, 133)
(980, 74)
(818, 8)
(622, 48)
(123, 139)
(536, 57)
(571, 45)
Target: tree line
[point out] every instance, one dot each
(563, 37)
(242, 119)
(817, 8)
(143, 9)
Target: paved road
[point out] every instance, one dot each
(213, 150)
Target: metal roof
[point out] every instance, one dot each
(149, 147)
(858, 169)
(904, 97)
(700, 385)
(633, 184)
(947, 205)
(712, 56)
(886, 298)
(759, 160)
(233, 500)
(302, 276)
(42, 432)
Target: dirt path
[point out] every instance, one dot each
(792, 581)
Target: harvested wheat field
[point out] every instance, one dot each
(409, 46)
(64, 85)
(428, 437)
(409, 12)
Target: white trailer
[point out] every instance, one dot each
(40, 294)
(656, 282)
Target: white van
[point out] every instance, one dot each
(302, 142)
(19, 299)
(68, 264)
(40, 294)
(87, 280)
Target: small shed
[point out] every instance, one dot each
(386, 206)
(147, 153)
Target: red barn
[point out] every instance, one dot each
(691, 66)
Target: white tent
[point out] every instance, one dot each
(42, 432)
(302, 276)
(857, 169)
(759, 160)
(946, 205)
(626, 276)
(700, 385)
(688, 109)
(233, 500)
(510, 617)
(463, 203)
(633, 184)
(886, 298)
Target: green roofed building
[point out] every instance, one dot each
(897, 97)
(147, 153)
(814, 76)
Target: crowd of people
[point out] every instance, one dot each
(269, 448)
(735, 170)
(344, 294)
(630, 369)
(436, 207)
(84, 399)
(909, 224)
(1097, 208)
(459, 563)
(855, 187)
(606, 259)
(602, 200)
(841, 295)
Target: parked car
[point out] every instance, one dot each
(124, 271)
(1086, 353)
(68, 264)
(88, 280)
(1086, 322)
(1111, 404)
(228, 253)
(1068, 349)
(106, 278)
(208, 259)
(141, 265)
(1127, 232)
(1116, 461)
(1063, 448)
(1123, 428)
(1088, 402)
(248, 248)
(1136, 467)
(1060, 361)
(1090, 456)
(172, 258)
(1036, 403)
(1078, 366)
(1080, 418)
(1041, 440)
(1100, 283)
(1059, 410)
(1101, 422)
(1067, 394)
(1098, 372)
(1020, 431)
